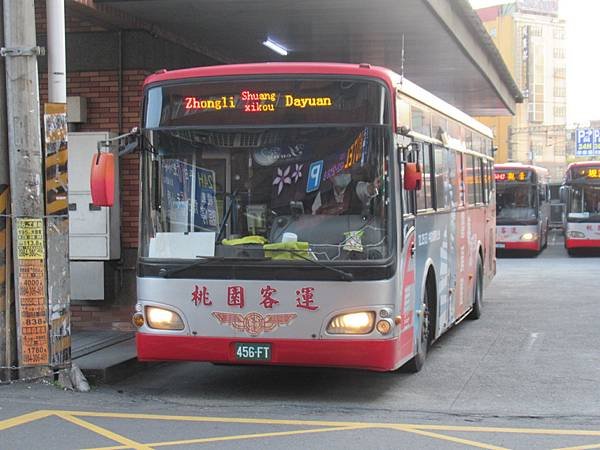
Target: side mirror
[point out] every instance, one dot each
(102, 179)
(413, 177)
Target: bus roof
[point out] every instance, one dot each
(575, 165)
(392, 79)
(540, 171)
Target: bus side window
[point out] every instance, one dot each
(442, 181)
(424, 196)
(408, 197)
(470, 177)
(484, 179)
(491, 181)
(478, 181)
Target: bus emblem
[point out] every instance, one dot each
(254, 323)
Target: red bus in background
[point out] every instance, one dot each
(522, 207)
(581, 193)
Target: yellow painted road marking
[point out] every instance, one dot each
(445, 437)
(328, 426)
(580, 447)
(238, 437)
(129, 443)
(547, 431)
(25, 418)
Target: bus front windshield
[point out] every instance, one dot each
(516, 203)
(283, 193)
(584, 203)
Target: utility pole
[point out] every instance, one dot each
(27, 204)
(57, 205)
(7, 324)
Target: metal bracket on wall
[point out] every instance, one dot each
(22, 51)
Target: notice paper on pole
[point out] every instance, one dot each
(33, 311)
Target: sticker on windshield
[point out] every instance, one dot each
(314, 176)
(353, 242)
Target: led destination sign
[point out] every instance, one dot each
(265, 102)
(256, 102)
(517, 176)
(590, 172)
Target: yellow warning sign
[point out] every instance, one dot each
(30, 239)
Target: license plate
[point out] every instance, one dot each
(500, 245)
(252, 351)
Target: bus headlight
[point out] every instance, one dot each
(576, 234)
(352, 323)
(529, 237)
(163, 319)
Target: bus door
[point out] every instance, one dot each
(460, 296)
(407, 264)
(489, 256)
(453, 197)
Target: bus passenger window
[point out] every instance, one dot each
(442, 182)
(484, 180)
(470, 177)
(478, 182)
(424, 196)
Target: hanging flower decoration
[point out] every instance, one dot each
(282, 179)
(297, 173)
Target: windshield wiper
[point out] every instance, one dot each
(166, 272)
(345, 276)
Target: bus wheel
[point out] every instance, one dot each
(477, 293)
(415, 364)
(572, 252)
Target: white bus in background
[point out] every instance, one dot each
(522, 207)
(581, 192)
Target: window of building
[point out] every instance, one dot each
(559, 52)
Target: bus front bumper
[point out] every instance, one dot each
(582, 243)
(526, 245)
(377, 355)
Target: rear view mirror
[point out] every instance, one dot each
(102, 179)
(413, 177)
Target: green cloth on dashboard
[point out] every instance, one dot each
(299, 250)
(260, 240)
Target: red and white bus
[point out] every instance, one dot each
(307, 214)
(522, 207)
(582, 216)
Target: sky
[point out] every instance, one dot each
(583, 64)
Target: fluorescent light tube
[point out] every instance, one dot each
(275, 47)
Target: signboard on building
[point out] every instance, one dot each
(538, 6)
(587, 142)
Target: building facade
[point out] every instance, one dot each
(531, 39)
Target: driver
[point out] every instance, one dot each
(347, 196)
